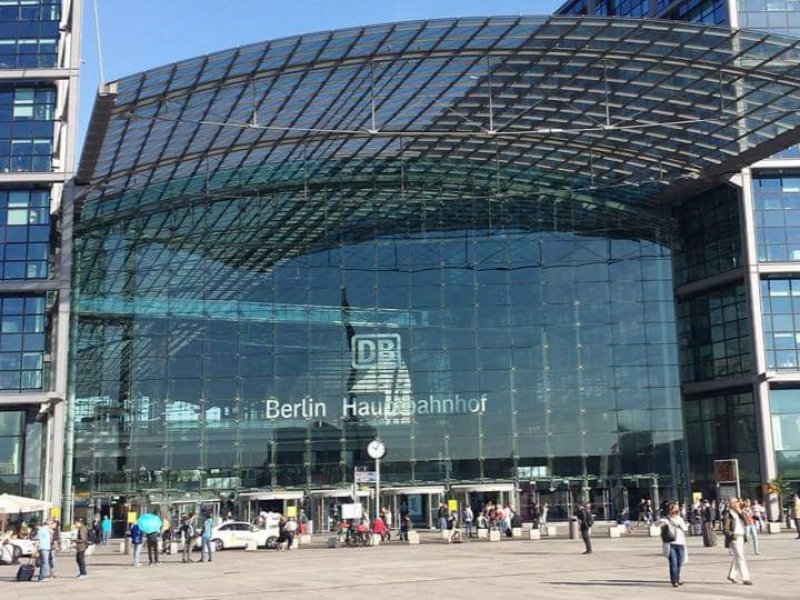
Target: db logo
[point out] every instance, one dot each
(382, 351)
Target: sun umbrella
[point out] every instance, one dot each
(149, 523)
(18, 504)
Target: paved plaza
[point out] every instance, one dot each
(629, 567)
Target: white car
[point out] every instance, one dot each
(22, 547)
(237, 534)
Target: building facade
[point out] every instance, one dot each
(736, 305)
(39, 60)
(486, 241)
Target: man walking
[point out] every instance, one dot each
(735, 531)
(586, 521)
(152, 547)
(105, 528)
(205, 539)
(81, 544)
(44, 544)
(468, 517)
(188, 533)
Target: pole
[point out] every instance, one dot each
(377, 488)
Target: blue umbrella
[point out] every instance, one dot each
(149, 523)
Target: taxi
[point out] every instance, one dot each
(238, 534)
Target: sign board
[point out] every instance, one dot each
(132, 517)
(696, 497)
(726, 491)
(366, 477)
(352, 511)
(452, 505)
(55, 513)
(291, 512)
(726, 471)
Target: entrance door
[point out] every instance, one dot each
(417, 506)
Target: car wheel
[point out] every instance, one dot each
(17, 551)
(218, 545)
(272, 543)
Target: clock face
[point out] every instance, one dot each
(376, 449)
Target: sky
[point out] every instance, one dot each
(136, 35)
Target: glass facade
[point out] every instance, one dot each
(722, 425)
(22, 342)
(780, 305)
(714, 334)
(785, 412)
(25, 234)
(776, 202)
(475, 338)
(713, 12)
(780, 16)
(26, 128)
(20, 453)
(710, 235)
(29, 33)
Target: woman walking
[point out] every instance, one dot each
(673, 536)
(750, 519)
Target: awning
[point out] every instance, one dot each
(285, 495)
(338, 493)
(412, 491)
(484, 487)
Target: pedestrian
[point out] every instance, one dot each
(735, 531)
(81, 544)
(55, 532)
(290, 528)
(543, 515)
(673, 537)
(796, 512)
(166, 535)
(387, 519)
(379, 528)
(188, 535)
(748, 513)
(443, 513)
(468, 518)
(136, 542)
(586, 520)
(105, 529)
(44, 540)
(152, 547)
(95, 535)
(405, 526)
(205, 538)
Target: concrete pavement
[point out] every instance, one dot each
(553, 568)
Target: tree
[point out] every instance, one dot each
(780, 488)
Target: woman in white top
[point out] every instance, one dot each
(673, 536)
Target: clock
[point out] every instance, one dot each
(376, 449)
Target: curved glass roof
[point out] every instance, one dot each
(612, 112)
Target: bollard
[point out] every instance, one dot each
(305, 539)
(376, 539)
(445, 533)
(494, 535)
(251, 545)
(613, 532)
(331, 543)
(534, 534)
(413, 537)
(516, 532)
(483, 534)
(774, 526)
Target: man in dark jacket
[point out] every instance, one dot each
(586, 521)
(81, 544)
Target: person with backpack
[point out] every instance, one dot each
(136, 542)
(188, 533)
(205, 539)
(586, 520)
(673, 538)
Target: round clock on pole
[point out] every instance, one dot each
(376, 449)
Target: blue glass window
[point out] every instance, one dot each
(25, 231)
(776, 200)
(22, 342)
(713, 12)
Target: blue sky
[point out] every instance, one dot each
(139, 34)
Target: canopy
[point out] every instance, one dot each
(17, 504)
